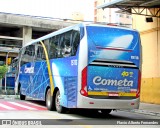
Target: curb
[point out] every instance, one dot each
(9, 96)
(145, 112)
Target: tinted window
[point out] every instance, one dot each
(112, 37)
(75, 41)
(40, 54)
(65, 44)
(54, 50)
(28, 54)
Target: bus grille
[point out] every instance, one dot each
(113, 63)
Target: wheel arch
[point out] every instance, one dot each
(54, 92)
(51, 104)
(19, 87)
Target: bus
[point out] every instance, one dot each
(14, 63)
(88, 66)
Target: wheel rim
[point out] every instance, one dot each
(58, 102)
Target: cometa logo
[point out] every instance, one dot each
(100, 81)
(29, 69)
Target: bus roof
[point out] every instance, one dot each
(50, 35)
(110, 26)
(70, 27)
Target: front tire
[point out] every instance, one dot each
(59, 108)
(49, 101)
(22, 97)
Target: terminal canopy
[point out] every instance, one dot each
(140, 7)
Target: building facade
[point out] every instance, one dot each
(111, 15)
(17, 30)
(150, 39)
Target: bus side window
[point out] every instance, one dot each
(22, 56)
(75, 42)
(68, 47)
(28, 55)
(61, 43)
(40, 53)
(46, 43)
(65, 44)
(54, 47)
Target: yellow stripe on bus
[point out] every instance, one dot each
(127, 93)
(98, 93)
(107, 93)
(49, 68)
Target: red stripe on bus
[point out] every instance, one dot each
(117, 49)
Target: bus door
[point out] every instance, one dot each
(27, 69)
(40, 77)
(17, 71)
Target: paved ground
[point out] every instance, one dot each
(14, 109)
(17, 105)
(145, 108)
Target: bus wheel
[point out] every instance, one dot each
(22, 97)
(49, 100)
(59, 108)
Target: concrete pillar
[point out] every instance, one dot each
(27, 34)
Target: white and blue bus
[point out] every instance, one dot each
(87, 66)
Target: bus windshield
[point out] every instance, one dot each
(112, 37)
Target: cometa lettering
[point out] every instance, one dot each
(29, 70)
(111, 82)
